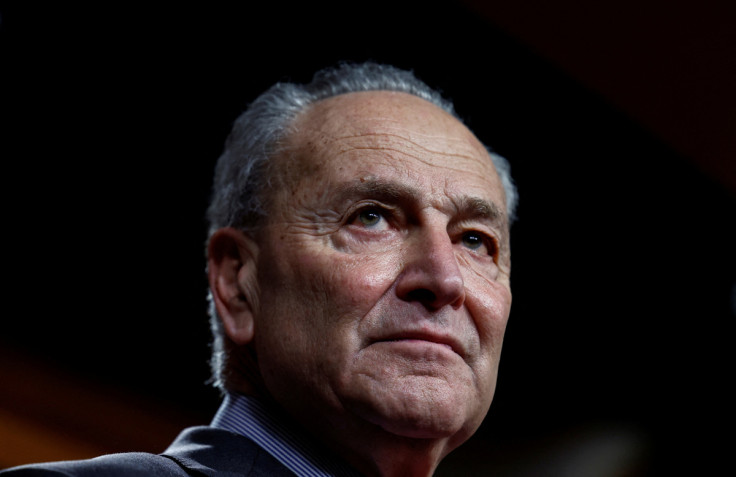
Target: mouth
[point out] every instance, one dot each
(422, 338)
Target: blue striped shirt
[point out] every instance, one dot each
(249, 417)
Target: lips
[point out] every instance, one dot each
(446, 340)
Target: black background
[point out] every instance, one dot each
(113, 117)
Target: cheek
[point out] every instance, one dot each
(310, 317)
(489, 303)
(350, 285)
(320, 296)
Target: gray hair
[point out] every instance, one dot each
(242, 175)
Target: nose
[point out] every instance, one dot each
(431, 274)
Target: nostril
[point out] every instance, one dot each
(422, 295)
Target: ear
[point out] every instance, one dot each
(231, 271)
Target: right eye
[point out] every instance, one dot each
(370, 218)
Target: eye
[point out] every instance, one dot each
(370, 218)
(472, 240)
(478, 242)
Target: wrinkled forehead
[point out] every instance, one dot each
(388, 113)
(393, 144)
(392, 122)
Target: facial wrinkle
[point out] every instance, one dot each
(414, 144)
(388, 150)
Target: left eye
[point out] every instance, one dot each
(472, 240)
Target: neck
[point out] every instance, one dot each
(374, 451)
(368, 448)
(397, 456)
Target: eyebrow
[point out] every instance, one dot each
(477, 208)
(378, 189)
(466, 207)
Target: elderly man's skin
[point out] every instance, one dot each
(376, 293)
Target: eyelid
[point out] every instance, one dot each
(387, 212)
(490, 240)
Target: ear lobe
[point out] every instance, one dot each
(231, 270)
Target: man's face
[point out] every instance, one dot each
(383, 270)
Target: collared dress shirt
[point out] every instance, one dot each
(271, 431)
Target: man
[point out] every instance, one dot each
(358, 263)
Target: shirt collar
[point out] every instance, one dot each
(274, 433)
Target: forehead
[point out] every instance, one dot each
(387, 114)
(389, 135)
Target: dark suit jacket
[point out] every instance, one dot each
(198, 451)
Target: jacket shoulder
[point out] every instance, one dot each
(209, 451)
(197, 451)
(114, 465)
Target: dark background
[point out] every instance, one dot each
(619, 349)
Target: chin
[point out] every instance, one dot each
(421, 431)
(429, 423)
(419, 412)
